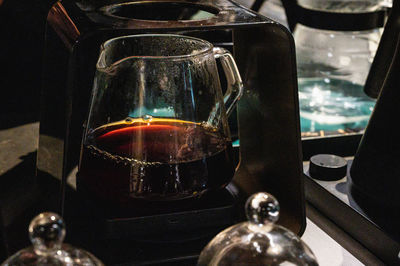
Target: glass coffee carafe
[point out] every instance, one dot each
(157, 126)
(335, 44)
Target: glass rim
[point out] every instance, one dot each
(207, 49)
(107, 10)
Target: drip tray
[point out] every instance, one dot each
(181, 226)
(174, 238)
(213, 212)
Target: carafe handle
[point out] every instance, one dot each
(235, 85)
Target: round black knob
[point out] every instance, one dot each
(328, 167)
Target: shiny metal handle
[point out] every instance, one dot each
(235, 85)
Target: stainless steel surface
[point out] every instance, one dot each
(334, 202)
(331, 245)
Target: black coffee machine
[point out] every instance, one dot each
(375, 169)
(268, 122)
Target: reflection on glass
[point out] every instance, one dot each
(162, 11)
(332, 69)
(332, 105)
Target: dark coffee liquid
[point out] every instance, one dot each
(154, 160)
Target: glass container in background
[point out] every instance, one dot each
(333, 60)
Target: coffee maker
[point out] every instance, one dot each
(374, 178)
(268, 120)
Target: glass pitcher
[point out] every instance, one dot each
(157, 125)
(333, 63)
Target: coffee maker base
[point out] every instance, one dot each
(188, 219)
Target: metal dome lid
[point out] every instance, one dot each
(47, 232)
(258, 241)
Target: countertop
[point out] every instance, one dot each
(326, 249)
